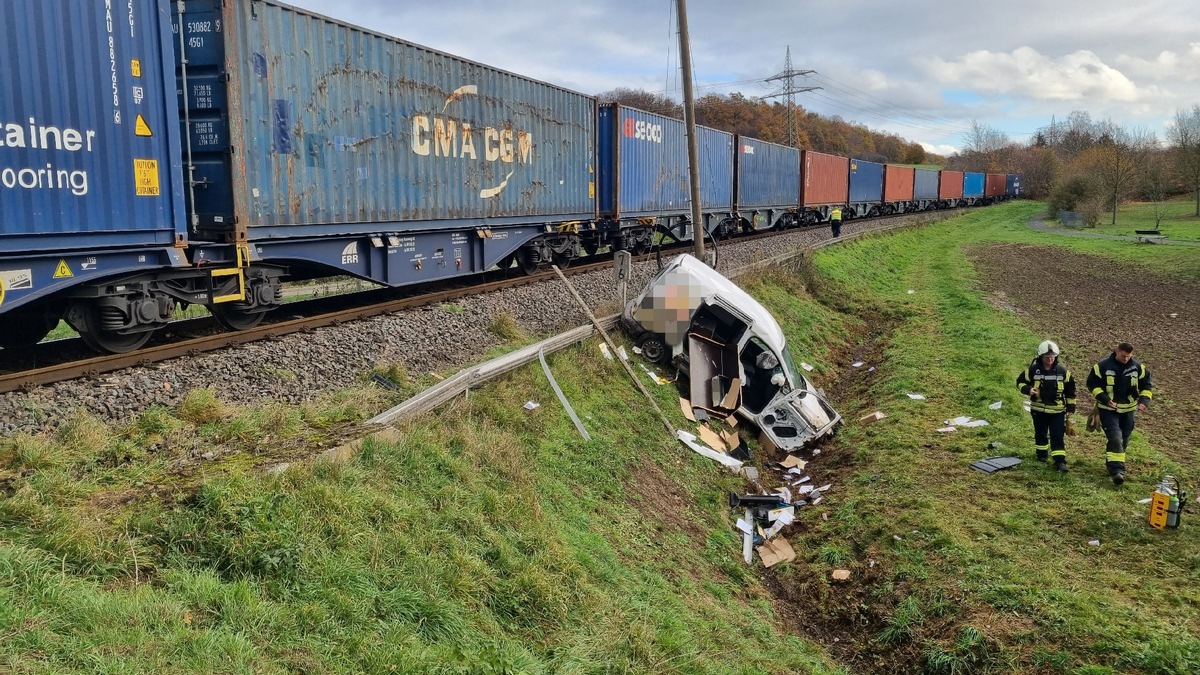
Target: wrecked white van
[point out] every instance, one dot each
(732, 349)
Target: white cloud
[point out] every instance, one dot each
(1167, 66)
(943, 150)
(1078, 76)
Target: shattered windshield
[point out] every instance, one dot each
(789, 367)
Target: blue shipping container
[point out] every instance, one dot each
(925, 185)
(866, 181)
(643, 161)
(973, 185)
(89, 145)
(768, 174)
(339, 130)
(1013, 186)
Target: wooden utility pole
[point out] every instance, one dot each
(689, 119)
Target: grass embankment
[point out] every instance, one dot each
(488, 539)
(990, 572)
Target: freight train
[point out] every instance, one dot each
(156, 155)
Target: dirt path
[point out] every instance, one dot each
(1089, 304)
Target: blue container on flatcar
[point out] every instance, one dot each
(338, 130)
(768, 174)
(973, 185)
(643, 165)
(1013, 186)
(89, 134)
(925, 185)
(866, 181)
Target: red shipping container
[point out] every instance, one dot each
(950, 185)
(825, 179)
(898, 183)
(996, 185)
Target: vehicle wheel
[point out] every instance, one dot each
(654, 348)
(234, 316)
(27, 328)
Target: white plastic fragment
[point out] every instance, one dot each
(806, 366)
(531, 405)
(856, 364)
(1147, 500)
(1094, 542)
(605, 351)
(976, 423)
(946, 429)
(997, 405)
(621, 353)
(690, 441)
(917, 397)
(911, 291)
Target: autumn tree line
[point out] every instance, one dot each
(767, 121)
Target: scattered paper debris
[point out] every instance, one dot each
(792, 461)
(911, 291)
(806, 366)
(637, 350)
(825, 487)
(805, 489)
(686, 406)
(750, 472)
(977, 423)
(621, 353)
(776, 551)
(653, 375)
(690, 441)
(712, 439)
(871, 369)
(856, 364)
(605, 351)
(745, 525)
(840, 575)
(997, 405)
(873, 417)
(824, 516)
(1094, 542)
(897, 537)
(959, 421)
(530, 405)
(1174, 315)
(1147, 500)
(917, 397)
(871, 562)
(946, 429)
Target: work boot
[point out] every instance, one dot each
(1042, 455)
(1060, 464)
(1117, 471)
(1118, 478)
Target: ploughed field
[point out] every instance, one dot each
(1090, 303)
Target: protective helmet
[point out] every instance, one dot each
(1048, 347)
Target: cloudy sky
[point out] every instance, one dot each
(923, 69)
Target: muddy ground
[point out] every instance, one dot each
(1090, 303)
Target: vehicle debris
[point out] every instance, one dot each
(873, 417)
(732, 351)
(531, 405)
(994, 464)
(776, 551)
(917, 397)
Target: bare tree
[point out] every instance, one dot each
(1156, 184)
(1117, 161)
(986, 148)
(1185, 142)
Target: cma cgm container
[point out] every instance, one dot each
(90, 178)
(950, 186)
(972, 185)
(825, 179)
(1013, 186)
(898, 184)
(925, 187)
(866, 186)
(768, 176)
(643, 165)
(302, 125)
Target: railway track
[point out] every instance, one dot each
(68, 360)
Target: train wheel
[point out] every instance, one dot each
(234, 316)
(101, 339)
(563, 260)
(27, 328)
(528, 261)
(591, 247)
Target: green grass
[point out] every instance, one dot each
(484, 539)
(1010, 549)
(1179, 219)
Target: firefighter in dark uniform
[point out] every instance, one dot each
(1051, 392)
(1122, 387)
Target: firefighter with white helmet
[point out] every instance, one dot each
(1051, 391)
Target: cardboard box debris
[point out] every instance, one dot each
(793, 462)
(712, 439)
(841, 575)
(776, 551)
(686, 406)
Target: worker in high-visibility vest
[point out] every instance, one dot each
(1122, 387)
(835, 221)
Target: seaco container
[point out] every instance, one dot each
(866, 181)
(89, 134)
(768, 174)
(972, 185)
(825, 179)
(301, 125)
(925, 184)
(951, 185)
(643, 165)
(898, 183)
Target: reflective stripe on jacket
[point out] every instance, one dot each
(1056, 386)
(1126, 384)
